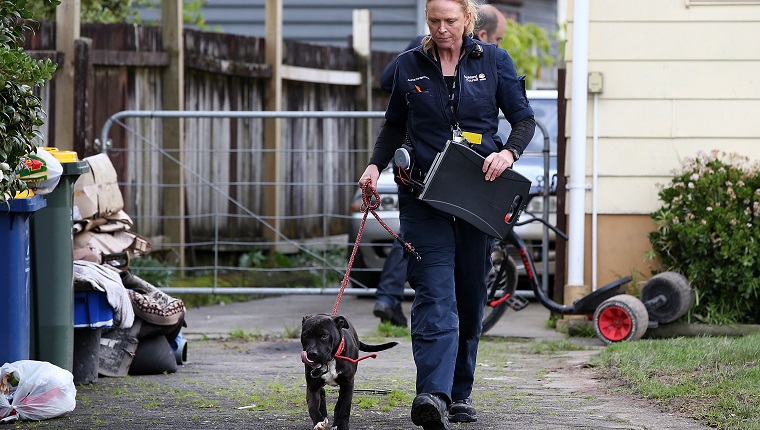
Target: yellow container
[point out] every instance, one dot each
(62, 156)
(24, 194)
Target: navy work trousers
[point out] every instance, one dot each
(450, 293)
(390, 289)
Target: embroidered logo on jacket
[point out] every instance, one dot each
(475, 78)
(419, 78)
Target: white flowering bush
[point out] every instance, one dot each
(708, 230)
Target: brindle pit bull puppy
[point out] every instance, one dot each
(330, 354)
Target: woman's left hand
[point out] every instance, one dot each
(371, 174)
(497, 163)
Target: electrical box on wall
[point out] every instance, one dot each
(595, 82)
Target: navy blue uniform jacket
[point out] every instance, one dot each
(487, 83)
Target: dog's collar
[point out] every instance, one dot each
(342, 346)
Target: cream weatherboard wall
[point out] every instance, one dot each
(680, 77)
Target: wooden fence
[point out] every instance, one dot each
(119, 67)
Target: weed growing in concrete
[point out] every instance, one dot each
(554, 346)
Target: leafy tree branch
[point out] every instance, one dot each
(20, 109)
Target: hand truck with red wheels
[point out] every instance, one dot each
(617, 316)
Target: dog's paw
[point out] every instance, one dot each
(323, 425)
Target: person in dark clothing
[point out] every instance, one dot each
(450, 86)
(390, 289)
(491, 25)
(386, 78)
(489, 28)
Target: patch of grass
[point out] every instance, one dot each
(585, 401)
(276, 396)
(239, 334)
(382, 401)
(552, 321)
(577, 328)
(316, 268)
(251, 278)
(396, 397)
(495, 351)
(582, 330)
(714, 380)
(497, 354)
(366, 402)
(504, 340)
(553, 346)
(386, 329)
(240, 391)
(291, 333)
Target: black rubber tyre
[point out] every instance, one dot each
(677, 291)
(498, 284)
(620, 318)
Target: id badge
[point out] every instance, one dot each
(472, 138)
(456, 135)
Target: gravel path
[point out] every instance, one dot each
(259, 384)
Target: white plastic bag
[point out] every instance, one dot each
(41, 171)
(43, 390)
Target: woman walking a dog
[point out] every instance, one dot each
(450, 86)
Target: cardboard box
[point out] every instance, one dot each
(97, 194)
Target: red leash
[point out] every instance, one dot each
(342, 346)
(368, 206)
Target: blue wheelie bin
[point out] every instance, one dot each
(14, 276)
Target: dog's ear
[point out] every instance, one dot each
(305, 318)
(340, 321)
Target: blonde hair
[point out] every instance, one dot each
(467, 6)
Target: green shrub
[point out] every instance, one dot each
(153, 271)
(109, 11)
(529, 46)
(20, 109)
(707, 231)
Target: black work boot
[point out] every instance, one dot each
(386, 313)
(429, 412)
(462, 411)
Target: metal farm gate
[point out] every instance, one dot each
(229, 212)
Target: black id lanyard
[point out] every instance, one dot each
(456, 132)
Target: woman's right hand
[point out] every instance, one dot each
(371, 173)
